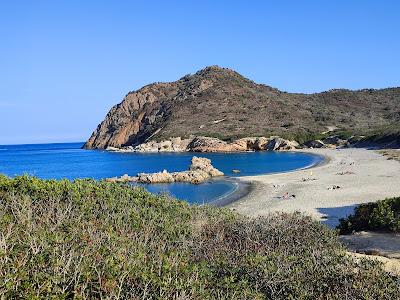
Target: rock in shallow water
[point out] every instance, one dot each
(159, 177)
(199, 171)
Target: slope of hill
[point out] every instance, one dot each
(221, 103)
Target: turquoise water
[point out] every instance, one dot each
(69, 161)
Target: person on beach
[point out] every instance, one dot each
(287, 196)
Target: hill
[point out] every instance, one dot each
(219, 102)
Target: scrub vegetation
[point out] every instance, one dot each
(383, 215)
(219, 102)
(90, 240)
(391, 154)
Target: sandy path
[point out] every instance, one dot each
(386, 244)
(367, 176)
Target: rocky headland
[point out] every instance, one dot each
(199, 171)
(219, 102)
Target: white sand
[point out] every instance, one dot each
(374, 178)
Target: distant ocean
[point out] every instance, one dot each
(68, 160)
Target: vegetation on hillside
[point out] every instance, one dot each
(219, 102)
(386, 136)
(381, 215)
(91, 240)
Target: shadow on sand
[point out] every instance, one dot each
(333, 214)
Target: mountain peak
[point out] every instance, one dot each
(216, 69)
(210, 71)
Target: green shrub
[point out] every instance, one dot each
(385, 135)
(303, 137)
(343, 134)
(381, 215)
(91, 240)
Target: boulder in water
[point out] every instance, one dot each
(199, 171)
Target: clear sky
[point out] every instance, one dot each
(63, 64)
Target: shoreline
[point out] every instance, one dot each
(360, 175)
(245, 187)
(242, 190)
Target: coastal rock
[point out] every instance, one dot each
(125, 149)
(112, 149)
(314, 144)
(179, 144)
(159, 177)
(277, 143)
(123, 178)
(208, 144)
(260, 143)
(252, 143)
(204, 165)
(335, 141)
(172, 145)
(191, 176)
(200, 170)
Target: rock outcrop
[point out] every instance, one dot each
(314, 144)
(277, 143)
(336, 141)
(159, 177)
(200, 164)
(199, 171)
(172, 145)
(220, 102)
(208, 144)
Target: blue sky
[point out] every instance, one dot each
(63, 64)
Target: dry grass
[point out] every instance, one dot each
(391, 154)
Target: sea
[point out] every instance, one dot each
(70, 161)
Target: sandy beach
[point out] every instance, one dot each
(328, 191)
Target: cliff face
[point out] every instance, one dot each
(136, 118)
(220, 102)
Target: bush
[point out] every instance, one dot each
(90, 240)
(386, 136)
(381, 215)
(303, 137)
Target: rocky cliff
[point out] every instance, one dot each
(219, 102)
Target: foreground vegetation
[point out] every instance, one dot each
(87, 239)
(381, 215)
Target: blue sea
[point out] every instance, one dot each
(68, 160)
